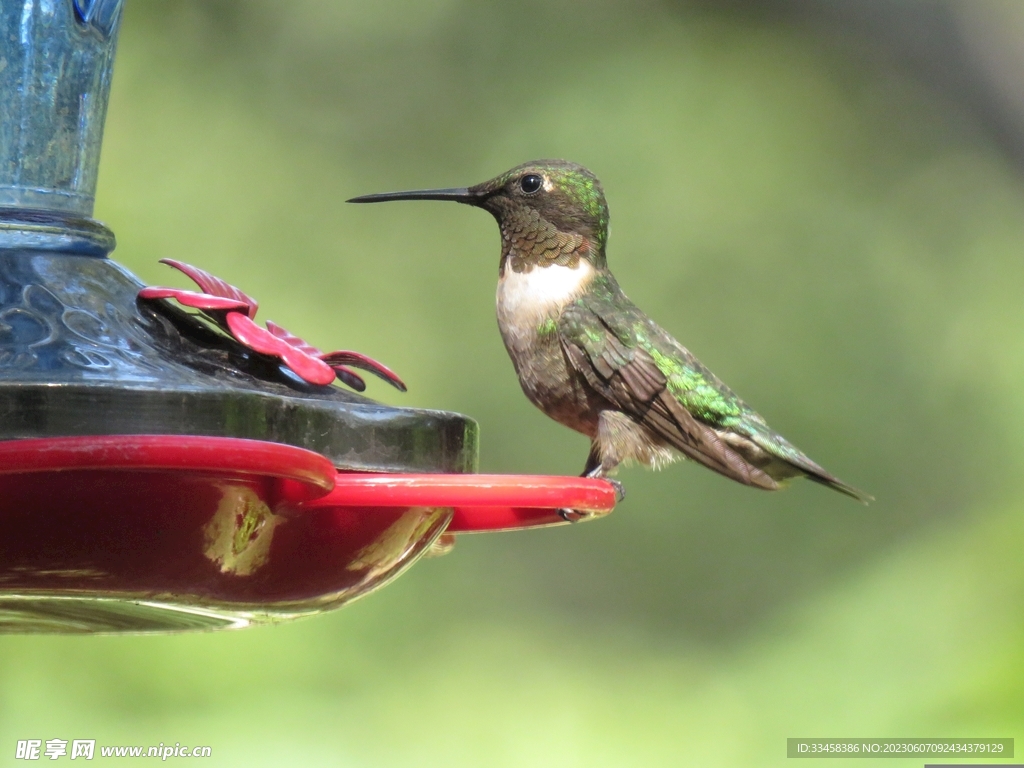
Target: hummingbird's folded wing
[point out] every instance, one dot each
(628, 376)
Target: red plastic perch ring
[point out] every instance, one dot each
(308, 480)
(481, 502)
(301, 474)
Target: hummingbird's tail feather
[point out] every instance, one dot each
(830, 481)
(794, 462)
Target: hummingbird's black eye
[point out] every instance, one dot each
(531, 183)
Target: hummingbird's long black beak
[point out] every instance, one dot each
(458, 194)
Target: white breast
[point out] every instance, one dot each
(527, 299)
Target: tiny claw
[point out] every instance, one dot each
(571, 515)
(620, 489)
(599, 473)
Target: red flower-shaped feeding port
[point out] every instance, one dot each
(232, 311)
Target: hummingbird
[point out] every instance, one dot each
(592, 360)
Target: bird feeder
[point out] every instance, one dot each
(167, 470)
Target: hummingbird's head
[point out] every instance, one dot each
(553, 195)
(549, 211)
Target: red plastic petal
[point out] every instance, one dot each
(350, 378)
(196, 300)
(263, 341)
(292, 339)
(302, 357)
(338, 359)
(343, 357)
(214, 285)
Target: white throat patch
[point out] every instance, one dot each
(526, 299)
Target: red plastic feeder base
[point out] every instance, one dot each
(165, 532)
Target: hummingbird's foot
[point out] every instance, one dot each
(620, 489)
(598, 473)
(571, 515)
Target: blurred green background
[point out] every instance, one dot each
(832, 224)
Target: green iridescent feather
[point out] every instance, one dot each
(604, 312)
